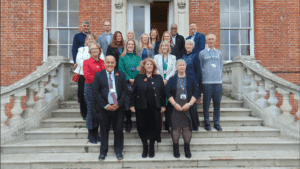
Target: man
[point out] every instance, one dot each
(105, 39)
(178, 40)
(110, 92)
(211, 65)
(79, 39)
(197, 37)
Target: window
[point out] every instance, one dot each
(60, 27)
(236, 17)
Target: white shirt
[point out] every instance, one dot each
(109, 98)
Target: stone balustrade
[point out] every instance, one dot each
(245, 79)
(51, 81)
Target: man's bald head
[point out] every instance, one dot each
(110, 63)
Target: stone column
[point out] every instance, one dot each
(181, 16)
(297, 97)
(17, 109)
(4, 101)
(30, 102)
(41, 95)
(119, 16)
(253, 86)
(272, 99)
(262, 101)
(286, 107)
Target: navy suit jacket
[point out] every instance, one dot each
(200, 42)
(101, 88)
(78, 41)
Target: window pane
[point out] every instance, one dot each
(224, 18)
(63, 50)
(224, 36)
(51, 19)
(63, 5)
(245, 5)
(224, 5)
(70, 52)
(245, 19)
(63, 36)
(52, 50)
(52, 36)
(234, 51)
(52, 4)
(245, 49)
(245, 36)
(235, 19)
(234, 36)
(73, 19)
(72, 34)
(234, 5)
(225, 52)
(74, 5)
(62, 21)
(138, 21)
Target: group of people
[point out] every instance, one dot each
(150, 78)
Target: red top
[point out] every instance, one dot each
(91, 67)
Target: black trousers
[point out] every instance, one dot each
(82, 103)
(116, 119)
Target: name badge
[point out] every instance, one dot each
(183, 96)
(112, 90)
(132, 68)
(165, 72)
(213, 65)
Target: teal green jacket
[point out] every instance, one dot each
(128, 64)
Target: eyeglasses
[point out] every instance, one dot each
(95, 49)
(106, 25)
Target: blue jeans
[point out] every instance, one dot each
(212, 91)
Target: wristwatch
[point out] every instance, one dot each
(190, 104)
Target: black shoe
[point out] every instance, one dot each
(176, 150)
(91, 140)
(187, 150)
(207, 127)
(119, 156)
(102, 157)
(151, 149)
(218, 127)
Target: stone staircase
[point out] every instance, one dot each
(61, 142)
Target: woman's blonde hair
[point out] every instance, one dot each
(125, 47)
(171, 39)
(98, 46)
(160, 49)
(149, 46)
(142, 69)
(87, 36)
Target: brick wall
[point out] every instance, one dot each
(21, 39)
(206, 14)
(95, 11)
(277, 37)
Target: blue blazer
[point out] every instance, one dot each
(200, 42)
(78, 41)
(101, 88)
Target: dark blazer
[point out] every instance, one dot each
(199, 42)
(78, 41)
(101, 88)
(175, 51)
(192, 90)
(180, 42)
(139, 97)
(114, 52)
(156, 48)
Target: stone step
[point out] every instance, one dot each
(224, 104)
(224, 121)
(224, 112)
(135, 145)
(161, 160)
(81, 133)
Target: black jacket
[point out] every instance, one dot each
(139, 97)
(115, 53)
(180, 42)
(101, 88)
(175, 51)
(157, 47)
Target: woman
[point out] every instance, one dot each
(90, 67)
(148, 101)
(145, 49)
(116, 47)
(83, 54)
(130, 36)
(167, 36)
(193, 69)
(154, 40)
(128, 64)
(181, 91)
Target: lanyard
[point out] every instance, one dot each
(212, 57)
(163, 60)
(111, 83)
(182, 85)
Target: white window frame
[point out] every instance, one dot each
(251, 28)
(45, 32)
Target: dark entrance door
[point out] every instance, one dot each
(159, 16)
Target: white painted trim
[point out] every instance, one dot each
(252, 28)
(170, 15)
(131, 4)
(45, 37)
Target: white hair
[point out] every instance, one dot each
(180, 61)
(211, 34)
(86, 22)
(190, 41)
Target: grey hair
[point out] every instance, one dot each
(179, 61)
(211, 34)
(91, 44)
(190, 41)
(86, 22)
(174, 24)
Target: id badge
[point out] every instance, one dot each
(213, 65)
(165, 72)
(132, 68)
(183, 96)
(112, 90)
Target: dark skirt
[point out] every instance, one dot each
(128, 96)
(80, 94)
(92, 118)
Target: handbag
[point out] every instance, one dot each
(75, 77)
